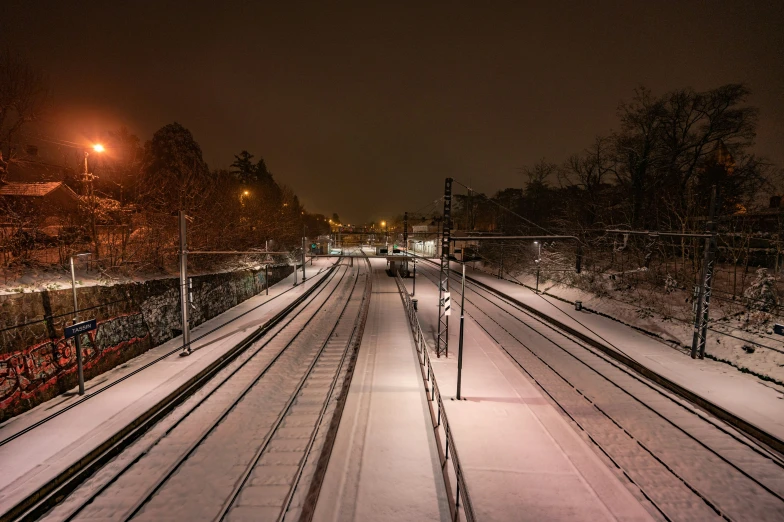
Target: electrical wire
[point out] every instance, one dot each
(673, 317)
(503, 207)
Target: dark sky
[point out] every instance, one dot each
(364, 109)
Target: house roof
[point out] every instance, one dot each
(20, 188)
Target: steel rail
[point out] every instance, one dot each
(56, 489)
(240, 485)
(311, 497)
(207, 432)
(59, 412)
(717, 411)
(619, 367)
(106, 485)
(352, 339)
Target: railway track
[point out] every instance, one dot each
(98, 391)
(688, 464)
(266, 410)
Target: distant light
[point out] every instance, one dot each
(98, 147)
(245, 193)
(536, 242)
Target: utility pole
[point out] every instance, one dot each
(460, 344)
(88, 179)
(405, 236)
(184, 301)
(303, 253)
(413, 290)
(704, 295)
(443, 287)
(538, 264)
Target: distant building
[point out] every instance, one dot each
(44, 198)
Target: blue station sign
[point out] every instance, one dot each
(79, 328)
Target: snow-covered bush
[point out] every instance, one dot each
(761, 294)
(670, 284)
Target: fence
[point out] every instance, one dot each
(438, 415)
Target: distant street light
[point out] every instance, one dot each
(98, 147)
(79, 365)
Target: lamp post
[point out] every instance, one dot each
(87, 179)
(303, 252)
(386, 234)
(413, 291)
(460, 345)
(538, 264)
(79, 364)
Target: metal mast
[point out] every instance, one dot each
(443, 287)
(703, 298)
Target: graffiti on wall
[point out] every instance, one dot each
(36, 370)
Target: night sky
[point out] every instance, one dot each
(363, 110)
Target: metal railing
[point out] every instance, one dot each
(438, 415)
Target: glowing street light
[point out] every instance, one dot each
(98, 147)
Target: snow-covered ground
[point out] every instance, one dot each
(667, 447)
(520, 456)
(755, 400)
(384, 464)
(734, 348)
(36, 456)
(41, 278)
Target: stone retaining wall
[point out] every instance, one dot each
(36, 363)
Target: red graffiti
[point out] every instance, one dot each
(35, 370)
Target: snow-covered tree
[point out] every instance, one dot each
(761, 294)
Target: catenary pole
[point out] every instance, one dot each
(184, 304)
(443, 286)
(703, 298)
(303, 253)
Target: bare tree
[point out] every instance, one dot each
(24, 98)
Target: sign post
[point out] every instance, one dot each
(74, 331)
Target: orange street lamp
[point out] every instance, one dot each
(98, 147)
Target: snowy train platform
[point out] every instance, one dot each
(746, 396)
(384, 464)
(35, 457)
(520, 457)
